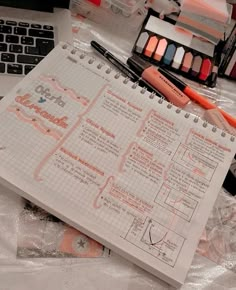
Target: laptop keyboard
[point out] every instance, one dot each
(23, 45)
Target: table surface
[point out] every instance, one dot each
(214, 265)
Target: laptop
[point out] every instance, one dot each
(29, 29)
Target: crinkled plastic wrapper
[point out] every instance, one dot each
(41, 235)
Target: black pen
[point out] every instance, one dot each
(125, 69)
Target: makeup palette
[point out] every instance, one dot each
(227, 65)
(162, 43)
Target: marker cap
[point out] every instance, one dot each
(137, 64)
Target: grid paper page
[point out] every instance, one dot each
(138, 175)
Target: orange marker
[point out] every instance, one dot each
(152, 75)
(196, 96)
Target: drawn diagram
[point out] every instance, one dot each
(156, 239)
(195, 162)
(176, 201)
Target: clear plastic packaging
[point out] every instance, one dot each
(41, 235)
(123, 7)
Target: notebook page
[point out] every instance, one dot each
(123, 168)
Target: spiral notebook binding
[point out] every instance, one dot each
(196, 119)
(117, 75)
(126, 80)
(134, 85)
(143, 90)
(205, 124)
(152, 95)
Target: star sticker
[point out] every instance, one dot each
(81, 243)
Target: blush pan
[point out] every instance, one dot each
(160, 51)
(178, 58)
(196, 67)
(206, 69)
(169, 54)
(151, 46)
(187, 62)
(142, 42)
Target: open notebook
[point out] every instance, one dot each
(124, 167)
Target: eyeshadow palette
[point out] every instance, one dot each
(227, 65)
(162, 43)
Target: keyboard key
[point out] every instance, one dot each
(23, 24)
(12, 23)
(32, 50)
(20, 31)
(2, 67)
(41, 33)
(8, 57)
(48, 27)
(44, 45)
(36, 39)
(28, 68)
(39, 26)
(3, 47)
(28, 59)
(5, 29)
(12, 38)
(16, 48)
(14, 69)
(27, 40)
